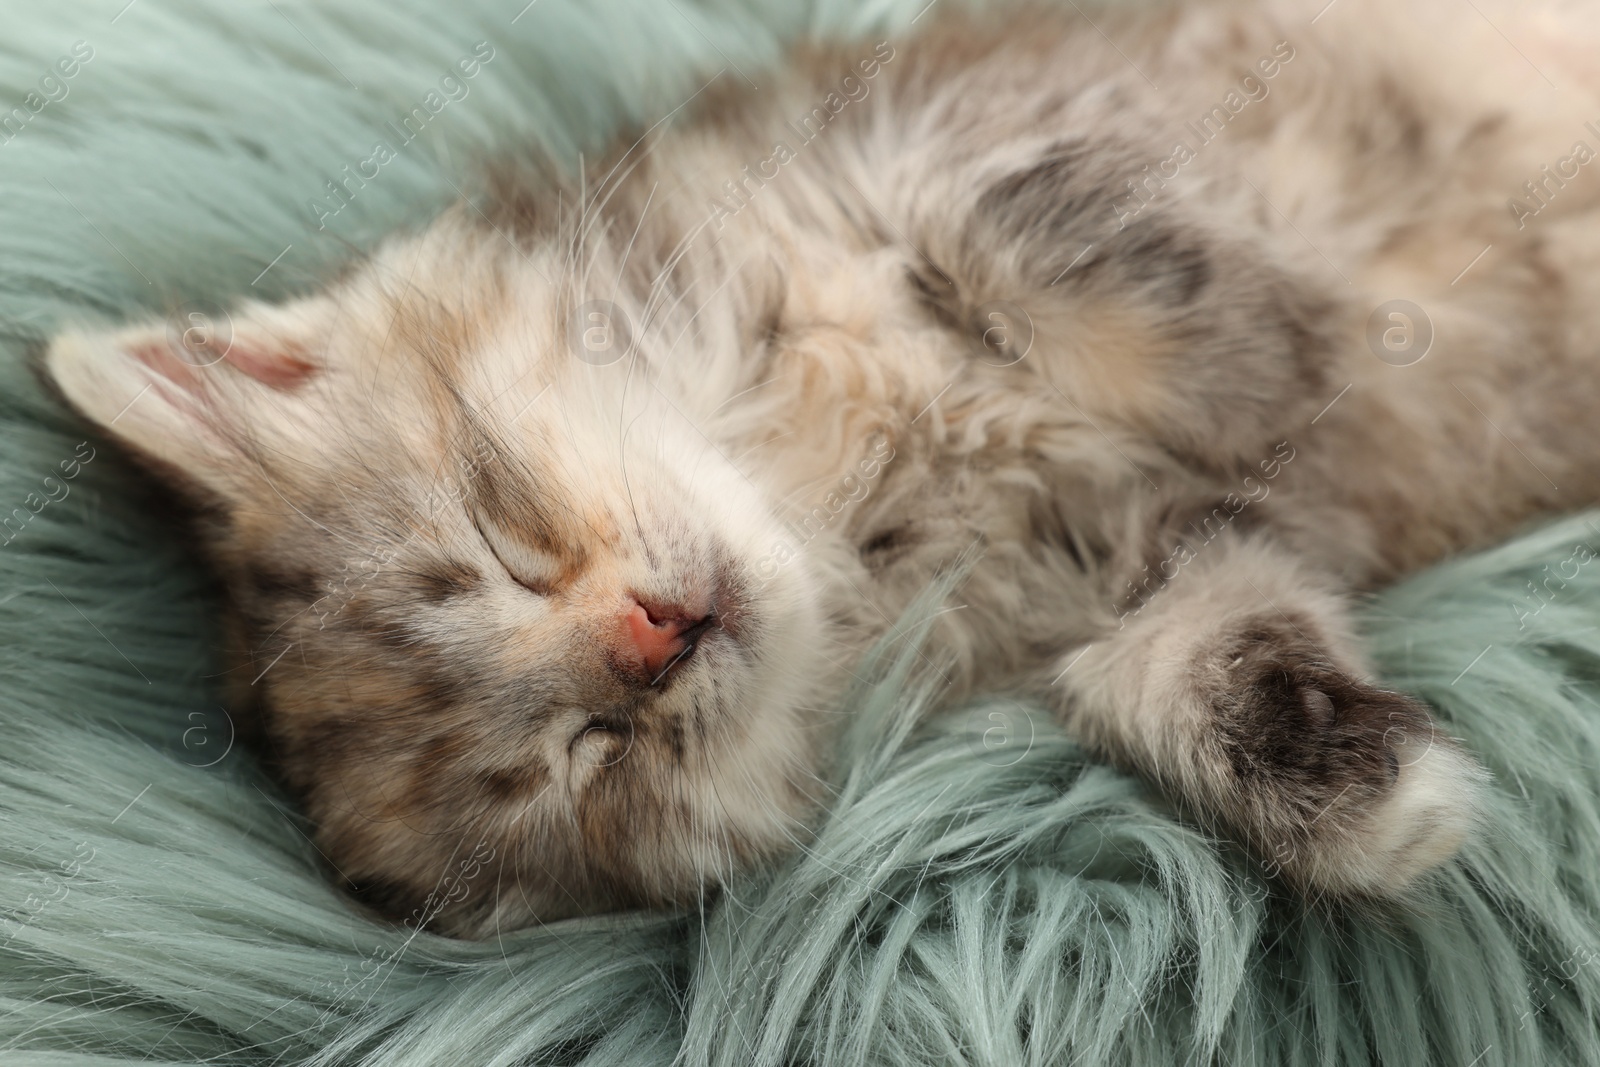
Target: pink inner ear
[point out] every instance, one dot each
(284, 368)
(160, 358)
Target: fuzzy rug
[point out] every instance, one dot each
(980, 895)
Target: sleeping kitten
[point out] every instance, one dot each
(551, 534)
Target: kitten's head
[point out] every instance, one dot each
(497, 606)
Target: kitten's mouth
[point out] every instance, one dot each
(690, 639)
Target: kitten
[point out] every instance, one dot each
(551, 534)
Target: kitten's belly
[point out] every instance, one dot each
(1398, 464)
(1459, 403)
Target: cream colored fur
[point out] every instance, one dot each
(937, 324)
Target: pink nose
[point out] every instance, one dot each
(665, 634)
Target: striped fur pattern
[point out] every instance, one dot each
(796, 351)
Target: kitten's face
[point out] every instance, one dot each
(498, 605)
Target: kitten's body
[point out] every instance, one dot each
(1176, 451)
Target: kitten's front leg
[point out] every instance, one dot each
(1238, 688)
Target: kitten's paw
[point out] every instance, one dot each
(1342, 786)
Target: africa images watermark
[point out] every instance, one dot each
(852, 488)
(57, 885)
(52, 88)
(452, 491)
(1542, 190)
(1146, 188)
(1008, 737)
(378, 963)
(737, 194)
(1211, 526)
(54, 490)
(1544, 593)
(342, 190)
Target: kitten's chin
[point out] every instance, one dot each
(758, 787)
(717, 775)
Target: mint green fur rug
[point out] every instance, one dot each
(981, 893)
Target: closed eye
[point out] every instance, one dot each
(528, 573)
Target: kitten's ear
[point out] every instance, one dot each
(200, 395)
